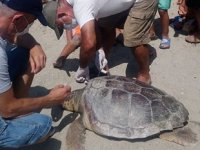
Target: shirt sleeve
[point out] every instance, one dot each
(84, 11)
(5, 82)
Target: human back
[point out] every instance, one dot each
(86, 10)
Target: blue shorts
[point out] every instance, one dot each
(164, 4)
(25, 130)
(18, 59)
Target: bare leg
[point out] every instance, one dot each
(197, 16)
(118, 31)
(165, 42)
(141, 53)
(195, 38)
(164, 23)
(22, 85)
(107, 39)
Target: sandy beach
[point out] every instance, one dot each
(175, 71)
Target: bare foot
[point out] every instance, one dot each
(145, 78)
(195, 38)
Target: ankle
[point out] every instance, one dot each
(144, 77)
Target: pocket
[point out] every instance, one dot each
(144, 10)
(3, 125)
(142, 16)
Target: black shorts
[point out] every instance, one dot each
(18, 59)
(114, 21)
(194, 4)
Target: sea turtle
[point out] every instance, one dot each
(124, 108)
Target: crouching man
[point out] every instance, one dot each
(20, 58)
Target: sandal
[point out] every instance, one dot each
(165, 44)
(192, 39)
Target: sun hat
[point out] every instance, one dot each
(50, 14)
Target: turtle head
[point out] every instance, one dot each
(72, 101)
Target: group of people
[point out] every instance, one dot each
(90, 25)
(188, 19)
(98, 30)
(74, 37)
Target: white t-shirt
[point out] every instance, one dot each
(5, 82)
(86, 10)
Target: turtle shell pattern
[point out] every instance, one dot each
(121, 107)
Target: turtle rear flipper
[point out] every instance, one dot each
(76, 135)
(187, 135)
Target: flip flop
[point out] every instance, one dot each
(165, 43)
(192, 39)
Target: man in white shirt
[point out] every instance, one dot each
(20, 58)
(103, 16)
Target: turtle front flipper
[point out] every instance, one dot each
(75, 138)
(187, 135)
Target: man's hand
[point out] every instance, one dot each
(59, 93)
(37, 59)
(82, 75)
(183, 9)
(100, 60)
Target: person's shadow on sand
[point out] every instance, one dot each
(38, 91)
(51, 144)
(127, 53)
(70, 64)
(118, 54)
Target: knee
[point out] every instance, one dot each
(42, 122)
(42, 125)
(25, 130)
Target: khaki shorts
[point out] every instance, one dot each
(138, 23)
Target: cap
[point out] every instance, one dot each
(33, 7)
(50, 14)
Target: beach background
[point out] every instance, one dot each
(175, 70)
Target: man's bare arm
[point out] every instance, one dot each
(12, 107)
